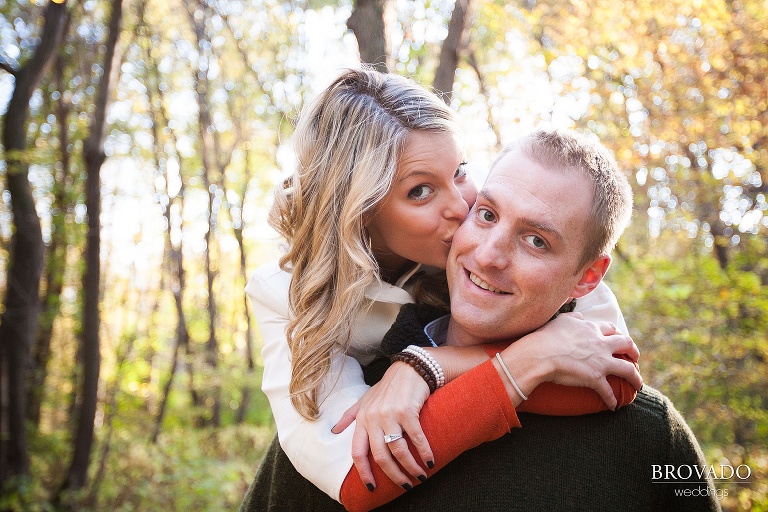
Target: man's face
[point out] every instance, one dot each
(514, 261)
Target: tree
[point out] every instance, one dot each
(94, 156)
(20, 316)
(449, 50)
(369, 26)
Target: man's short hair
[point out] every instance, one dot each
(566, 151)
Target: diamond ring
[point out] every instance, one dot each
(388, 438)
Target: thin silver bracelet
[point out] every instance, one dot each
(509, 376)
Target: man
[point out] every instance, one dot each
(538, 236)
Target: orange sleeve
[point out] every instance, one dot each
(551, 399)
(468, 411)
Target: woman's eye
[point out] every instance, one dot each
(420, 192)
(461, 171)
(486, 215)
(535, 241)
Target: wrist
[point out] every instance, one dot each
(456, 361)
(526, 365)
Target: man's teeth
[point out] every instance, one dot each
(482, 284)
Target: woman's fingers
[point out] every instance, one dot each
(346, 419)
(391, 408)
(412, 427)
(400, 451)
(383, 457)
(360, 450)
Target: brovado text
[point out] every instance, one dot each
(669, 472)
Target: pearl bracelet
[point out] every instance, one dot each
(424, 364)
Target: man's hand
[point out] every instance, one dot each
(574, 352)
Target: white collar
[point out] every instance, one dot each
(381, 291)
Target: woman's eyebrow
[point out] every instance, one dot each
(419, 172)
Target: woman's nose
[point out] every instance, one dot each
(456, 206)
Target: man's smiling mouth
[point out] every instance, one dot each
(485, 286)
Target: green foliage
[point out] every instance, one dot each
(188, 469)
(702, 334)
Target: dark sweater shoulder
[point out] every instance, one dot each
(602, 461)
(408, 328)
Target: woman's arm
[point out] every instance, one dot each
(472, 409)
(320, 456)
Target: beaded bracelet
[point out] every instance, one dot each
(416, 363)
(424, 364)
(430, 361)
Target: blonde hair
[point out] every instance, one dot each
(347, 142)
(569, 151)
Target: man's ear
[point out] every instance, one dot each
(591, 276)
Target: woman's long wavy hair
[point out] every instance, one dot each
(347, 143)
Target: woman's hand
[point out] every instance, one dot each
(574, 352)
(392, 406)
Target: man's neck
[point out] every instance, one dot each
(457, 336)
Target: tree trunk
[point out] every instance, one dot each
(449, 52)
(497, 144)
(56, 261)
(367, 23)
(210, 158)
(237, 228)
(25, 258)
(93, 151)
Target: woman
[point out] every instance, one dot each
(379, 190)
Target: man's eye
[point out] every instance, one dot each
(486, 215)
(420, 192)
(461, 171)
(536, 241)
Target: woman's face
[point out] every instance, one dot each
(430, 196)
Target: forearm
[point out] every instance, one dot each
(465, 413)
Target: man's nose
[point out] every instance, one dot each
(492, 252)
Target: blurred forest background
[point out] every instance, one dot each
(141, 139)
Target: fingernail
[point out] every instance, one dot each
(641, 387)
(333, 430)
(430, 464)
(422, 478)
(407, 487)
(370, 487)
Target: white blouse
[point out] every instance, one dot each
(322, 457)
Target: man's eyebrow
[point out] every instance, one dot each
(536, 224)
(541, 226)
(488, 197)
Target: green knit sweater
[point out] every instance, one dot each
(589, 463)
(598, 462)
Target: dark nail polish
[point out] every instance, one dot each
(641, 387)
(407, 487)
(422, 478)
(430, 464)
(370, 487)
